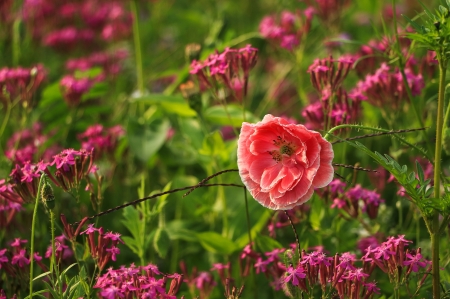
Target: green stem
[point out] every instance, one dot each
(401, 65)
(52, 223)
(33, 225)
(16, 42)
(447, 112)
(247, 214)
(5, 119)
(437, 179)
(137, 47)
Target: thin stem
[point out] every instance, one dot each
(134, 202)
(5, 119)
(33, 225)
(137, 47)
(437, 179)
(248, 218)
(360, 127)
(16, 42)
(52, 224)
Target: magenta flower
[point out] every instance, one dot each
(20, 259)
(3, 257)
(112, 292)
(281, 163)
(415, 261)
(73, 89)
(294, 275)
(114, 251)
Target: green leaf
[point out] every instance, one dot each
(415, 25)
(214, 146)
(146, 139)
(161, 242)
(50, 289)
(174, 104)
(266, 244)
(51, 94)
(177, 230)
(317, 213)
(232, 116)
(215, 243)
(131, 243)
(256, 229)
(420, 172)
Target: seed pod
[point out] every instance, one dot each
(48, 198)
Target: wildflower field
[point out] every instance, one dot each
(224, 149)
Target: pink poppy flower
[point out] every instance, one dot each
(282, 163)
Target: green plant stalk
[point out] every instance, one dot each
(5, 119)
(437, 179)
(401, 65)
(16, 42)
(137, 47)
(52, 224)
(33, 225)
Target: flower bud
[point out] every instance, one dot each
(48, 198)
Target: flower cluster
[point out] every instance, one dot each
(386, 86)
(24, 145)
(99, 140)
(98, 245)
(20, 84)
(355, 200)
(74, 88)
(203, 281)
(229, 68)
(328, 74)
(10, 203)
(334, 107)
(52, 22)
(332, 110)
(392, 258)
(329, 11)
(280, 219)
(108, 62)
(137, 282)
(286, 32)
(15, 262)
(71, 167)
(62, 251)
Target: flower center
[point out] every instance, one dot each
(286, 148)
